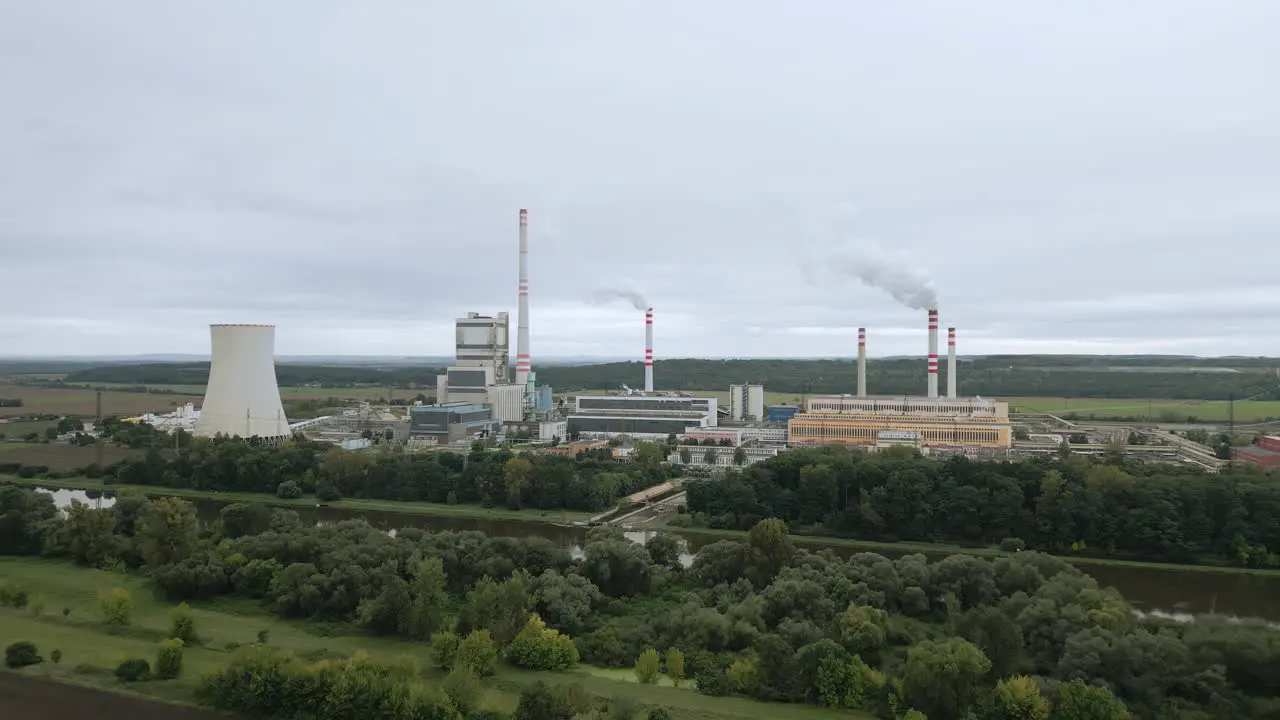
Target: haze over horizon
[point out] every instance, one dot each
(1079, 177)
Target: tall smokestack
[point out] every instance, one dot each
(648, 350)
(951, 363)
(523, 362)
(862, 362)
(933, 354)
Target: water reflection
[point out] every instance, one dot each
(1157, 591)
(63, 498)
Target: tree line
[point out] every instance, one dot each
(1060, 505)
(1022, 636)
(993, 376)
(592, 481)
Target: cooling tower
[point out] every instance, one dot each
(648, 350)
(242, 397)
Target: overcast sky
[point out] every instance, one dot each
(1073, 176)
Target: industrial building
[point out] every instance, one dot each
(746, 403)
(929, 424)
(482, 341)
(639, 414)
(1265, 454)
(782, 413)
(451, 423)
(480, 370)
(242, 397)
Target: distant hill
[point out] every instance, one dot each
(1155, 377)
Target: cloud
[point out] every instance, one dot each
(353, 173)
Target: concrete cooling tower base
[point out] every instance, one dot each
(242, 398)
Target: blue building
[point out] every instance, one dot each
(782, 413)
(451, 423)
(542, 399)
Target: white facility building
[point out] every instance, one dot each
(479, 375)
(242, 397)
(746, 403)
(482, 341)
(639, 415)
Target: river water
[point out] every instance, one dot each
(1169, 592)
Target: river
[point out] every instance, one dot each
(1168, 592)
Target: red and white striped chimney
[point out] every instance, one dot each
(951, 363)
(862, 362)
(523, 362)
(933, 354)
(648, 350)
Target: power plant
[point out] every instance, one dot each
(242, 397)
(484, 395)
(930, 424)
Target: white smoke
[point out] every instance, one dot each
(631, 295)
(887, 271)
(874, 266)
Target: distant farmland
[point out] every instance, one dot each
(73, 400)
(76, 401)
(1246, 411)
(60, 457)
(287, 393)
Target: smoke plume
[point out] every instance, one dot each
(874, 266)
(606, 295)
(877, 268)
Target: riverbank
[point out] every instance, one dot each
(69, 622)
(559, 517)
(471, 512)
(818, 542)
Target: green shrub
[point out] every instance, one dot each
(477, 653)
(288, 490)
(182, 624)
(133, 670)
(1012, 544)
(464, 689)
(169, 658)
(13, 596)
(647, 666)
(539, 647)
(116, 606)
(21, 654)
(444, 648)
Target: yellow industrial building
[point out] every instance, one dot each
(970, 425)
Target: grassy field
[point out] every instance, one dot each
(1246, 411)
(61, 457)
(288, 392)
(71, 401)
(159, 399)
(19, 428)
(90, 650)
(407, 508)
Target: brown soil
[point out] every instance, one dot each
(30, 698)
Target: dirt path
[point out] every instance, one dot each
(30, 698)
